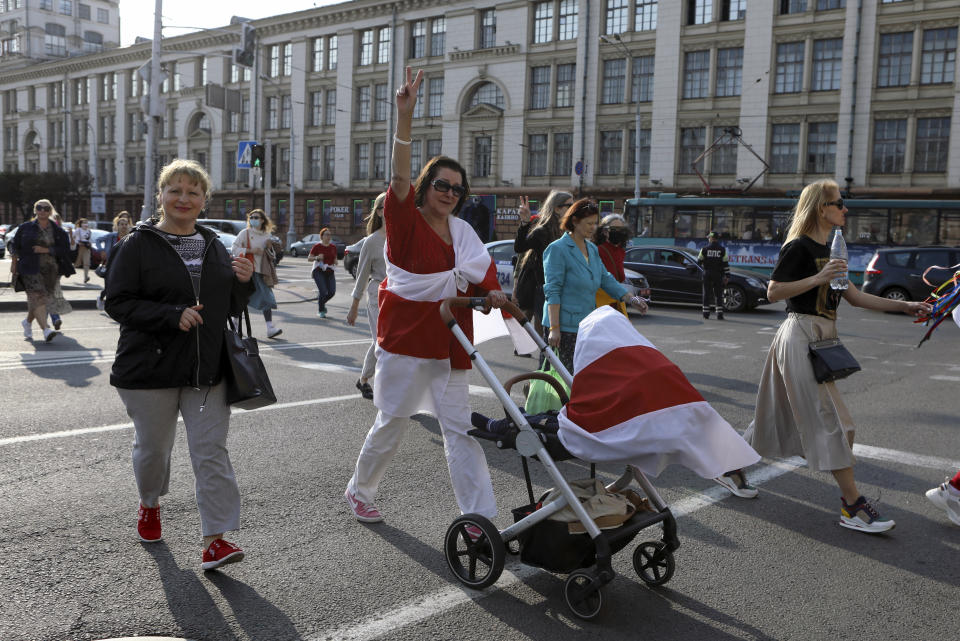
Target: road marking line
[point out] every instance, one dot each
(943, 377)
(695, 352)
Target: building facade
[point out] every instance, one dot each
(528, 95)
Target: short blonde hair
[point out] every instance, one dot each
(191, 169)
(813, 199)
(44, 201)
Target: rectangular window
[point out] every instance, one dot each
(568, 20)
(381, 105)
(932, 145)
(723, 160)
(543, 22)
(286, 111)
(646, 15)
(537, 155)
(66, 7)
(438, 36)
(616, 17)
(363, 103)
(416, 157)
(827, 63)
(642, 87)
(332, 53)
(789, 68)
(827, 5)
(103, 16)
(84, 11)
(696, 74)
(566, 81)
(614, 79)
(383, 45)
(418, 39)
(46, 5)
(822, 147)
(274, 61)
(273, 115)
(735, 9)
(540, 88)
(330, 107)
(699, 11)
(488, 29)
(692, 144)
(482, 156)
(434, 147)
(316, 59)
(939, 57)
(792, 6)
(644, 167)
(893, 63)
(316, 108)
(418, 108)
(785, 148)
(611, 145)
(287, 59)
(316, 163)
(366, 47)
(729, 71)
(435, 108)
(329, 160)
(361, 168)
(889, 146)
(379, 159)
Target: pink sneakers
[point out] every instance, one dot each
(363, 512)
(220, 553)
(148, 524)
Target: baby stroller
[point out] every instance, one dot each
(478, 561)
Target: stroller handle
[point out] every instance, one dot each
(482, 303)
(542, 376)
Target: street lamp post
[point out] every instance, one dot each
(618, 42)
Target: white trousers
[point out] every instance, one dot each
(466, 461)
(373, 313)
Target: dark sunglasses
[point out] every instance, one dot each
(444, 186)
(44, 208)
(836, 203)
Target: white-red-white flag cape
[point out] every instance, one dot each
(629, 404)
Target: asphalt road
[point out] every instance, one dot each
(778, 567)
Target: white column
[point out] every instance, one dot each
(664, 124)
(755, 93)
(343, 168)
(865, 79)
(299, 106)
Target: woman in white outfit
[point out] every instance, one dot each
(255, 240)
(371, 270)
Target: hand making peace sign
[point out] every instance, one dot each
(407, 93)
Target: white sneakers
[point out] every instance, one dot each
(27, 329)
(944, 498)
(273, 331)
(48, 334)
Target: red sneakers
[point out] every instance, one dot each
(220, 553)
(148, 524)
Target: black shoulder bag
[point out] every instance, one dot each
(830, 359)
(248, 386)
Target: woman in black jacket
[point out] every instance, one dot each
(171, 285)
(39, 249)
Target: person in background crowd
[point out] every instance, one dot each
(371, 270)
(611, 240)
(574, 273)
(323, 255)
(531, 241)
(716, 273)
(795, 415)
(947, 497)
(430, 255)
(121, 227)
(171, 285)
(82, 235)
(256, 239)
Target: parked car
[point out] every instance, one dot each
(303, 246)
(897, 273)
(351, 257)
(501, 251)
(675, 277)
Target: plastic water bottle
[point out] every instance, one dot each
(838, 249)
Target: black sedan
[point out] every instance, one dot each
(675, 277)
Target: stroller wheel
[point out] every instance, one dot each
(654, 562)
(476, 562)
(582, 593)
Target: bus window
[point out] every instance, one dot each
(662, 222)
(913, 227)
(950, 228)
(693, 224)
(866, 226)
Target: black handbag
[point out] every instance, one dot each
(830, 359)
(248, 386)
(17, 283)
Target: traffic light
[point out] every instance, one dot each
(244, 55)
(256, 156)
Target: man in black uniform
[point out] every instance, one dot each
(716, 270)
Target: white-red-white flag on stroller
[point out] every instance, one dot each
(629, 404)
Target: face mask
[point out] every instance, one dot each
(256, 223)
(617, 235)
(85, 226)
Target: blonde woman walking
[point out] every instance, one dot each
(255, 239)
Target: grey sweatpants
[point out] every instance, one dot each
(154, 413)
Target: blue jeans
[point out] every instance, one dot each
(326, 286)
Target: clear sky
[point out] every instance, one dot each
(136, 16)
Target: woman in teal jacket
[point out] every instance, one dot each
(573, 272)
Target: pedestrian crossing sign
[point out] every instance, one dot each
(244, 153)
